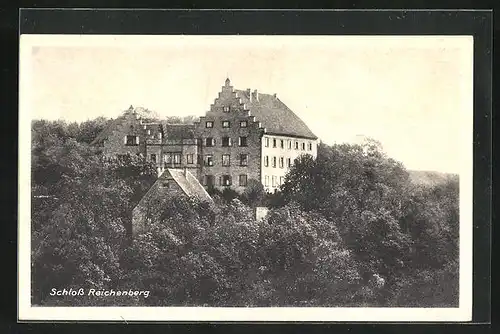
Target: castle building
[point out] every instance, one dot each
(244, 135)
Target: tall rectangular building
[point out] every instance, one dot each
(250, 135)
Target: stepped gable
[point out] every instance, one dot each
(145, 116)
(274, 115)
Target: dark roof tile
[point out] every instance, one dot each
(274, 115)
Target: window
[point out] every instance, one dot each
(226, 160)
(165, 184)
(274, 162)
(310, 146)
(289, 144)
(282, 162)
(266, 180)
(167, 158)
(243, 124)
(131, 140)
(209, 142)
(225, 180)
(226, 142)
(282, 143)
(209, 124)
(243, 180)
(177, 158)
(303, 146)
(209, 180)
(243, 141)
(266, 142)
(226, 124)
(190, 158)
(153, 157)
(226, 108)
(243, 159)
(275, 181)
(274, 142)
(209, 160)
(282, 180)
(149, 132)
(288, 162)
(266, 161)
(296, 145)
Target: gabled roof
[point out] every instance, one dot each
(189, 185)
(274, 115)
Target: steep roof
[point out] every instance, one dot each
(189, 184)
(107, 131)
(274, 115)
(146, 115)
(178, 131)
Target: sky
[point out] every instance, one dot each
(412, 94)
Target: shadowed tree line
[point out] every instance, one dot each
(347, 229)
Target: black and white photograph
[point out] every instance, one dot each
(285, 178)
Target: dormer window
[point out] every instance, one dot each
(209, 124)
(226, 124)
(243, 124)
(226, 109)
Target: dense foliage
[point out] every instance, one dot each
(348, 228)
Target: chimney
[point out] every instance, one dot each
(256, 95)
(249, 94)
(274, 95)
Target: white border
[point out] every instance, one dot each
(275, 314)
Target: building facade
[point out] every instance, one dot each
(244, 135)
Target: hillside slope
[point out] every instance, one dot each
(429, 178)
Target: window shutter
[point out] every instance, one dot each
(220, 180)
(137, 140)
(230, 141)
(125, 140)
